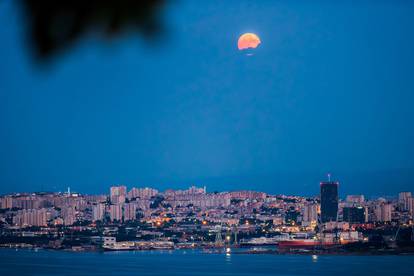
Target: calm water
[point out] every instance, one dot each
(26, 262)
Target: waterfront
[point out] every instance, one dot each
(195, 262)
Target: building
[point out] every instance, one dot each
(383, 212)
(145, 193)
(354, 214)
(336, 225)
(116, 212)
(189, 192)
(118, 194)
(355, 199)
(98, 212)
(195, 190)
(69, 215)
(201, 200)
(130, 211)
(404, 200)
(109, 241)
(411, 206)
(32, 217)
(310, 213)
(27, 202)
(329, 201)
(248, 195)
(6, 202)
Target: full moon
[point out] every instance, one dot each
(248, 40)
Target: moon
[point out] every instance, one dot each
(248, 41)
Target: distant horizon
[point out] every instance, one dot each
(237, 184)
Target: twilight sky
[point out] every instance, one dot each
(330, 89)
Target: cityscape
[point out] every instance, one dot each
(198, 137)
(148, 219)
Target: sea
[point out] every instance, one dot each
(195, 263)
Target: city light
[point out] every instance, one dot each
(173, 222)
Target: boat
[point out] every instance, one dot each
(120, 246)
(260, 241)
(325, 240)
(303, 243)
(140, 245)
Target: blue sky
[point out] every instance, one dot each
(330, 89)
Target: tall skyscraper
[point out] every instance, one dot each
(329, 201)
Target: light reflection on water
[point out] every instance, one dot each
(228, 256)
(314, 258)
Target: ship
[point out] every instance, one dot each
(325, 240)
(139, 245)
(303, 243)
(120, 246)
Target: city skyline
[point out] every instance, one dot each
(291, 222)
(144, 218)
(128, 188)
(344, 191)
(323, 208)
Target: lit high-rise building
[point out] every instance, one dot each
(329, 201)
(32, 217)
(144, 193)
(98, 211)
(68, 215)
(130, 210)
(6, 202)
(383, 212)
(310, 213)
(403, 200)
(118, 194)
(411, 206)
(115, 212)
